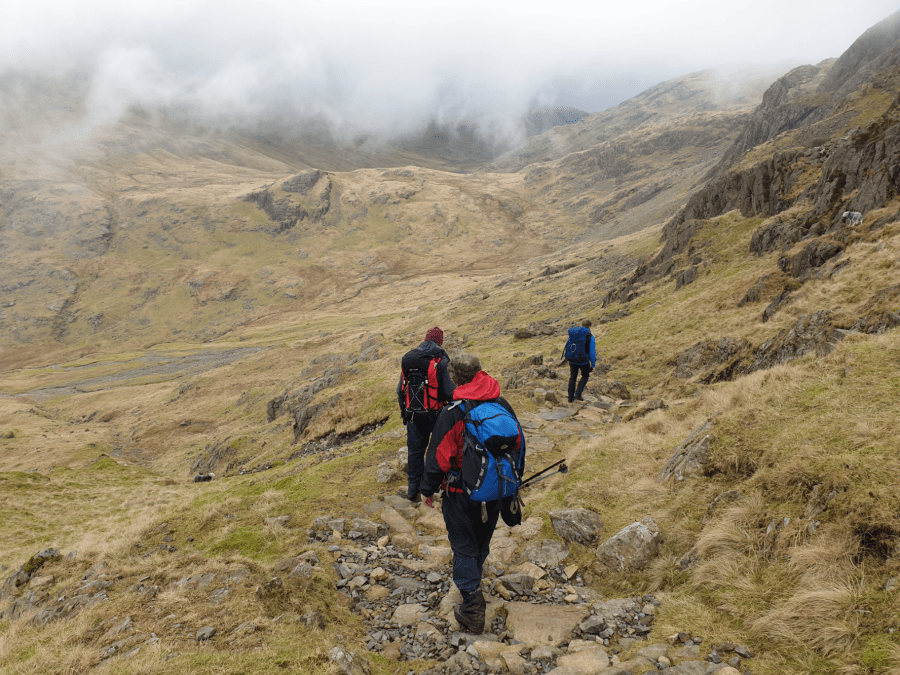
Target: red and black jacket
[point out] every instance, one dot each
(446, 446)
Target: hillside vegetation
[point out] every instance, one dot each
(174, 311)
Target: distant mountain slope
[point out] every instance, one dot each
(539, 120)
(159, 227)
(706, 91)
(875, 50)
(629, 167)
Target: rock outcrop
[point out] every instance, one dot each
(708, 357)
(578, 525)
(817, 333)
(691, 457)
(632, 547)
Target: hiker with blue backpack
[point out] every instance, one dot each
(581, 353)
(476, 458)
(424, 388)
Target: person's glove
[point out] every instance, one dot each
(429, 502)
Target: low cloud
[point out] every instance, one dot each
(384, 68)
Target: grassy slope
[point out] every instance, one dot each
(809, 600)
(824, 422)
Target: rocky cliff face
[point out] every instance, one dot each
(809, 94)
(858, 172)
(818, 198)
(792, 101)
(821, 157)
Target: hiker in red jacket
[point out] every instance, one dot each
(470, 524)
(424, 388)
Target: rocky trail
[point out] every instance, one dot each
(541, 615)
(392, 566)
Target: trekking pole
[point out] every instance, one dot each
(531, 480)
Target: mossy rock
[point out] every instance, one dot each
(36, 561)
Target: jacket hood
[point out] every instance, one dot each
(482, 388)
(432, 348)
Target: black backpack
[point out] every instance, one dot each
(420, 382)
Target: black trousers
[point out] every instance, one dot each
(470, 538)
(574, 369)
(418, 432)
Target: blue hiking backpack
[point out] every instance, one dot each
(492, 461)
(577, 345)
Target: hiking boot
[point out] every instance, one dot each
(470, 613)
(578, 397)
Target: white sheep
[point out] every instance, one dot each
(852, 217)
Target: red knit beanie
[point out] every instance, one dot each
(435, 335)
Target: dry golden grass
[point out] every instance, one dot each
(783, 425)
(822, 619)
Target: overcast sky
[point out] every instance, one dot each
(388, 65)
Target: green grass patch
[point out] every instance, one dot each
(876, 653)
(248, 541)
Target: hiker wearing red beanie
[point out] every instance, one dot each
(424, 388)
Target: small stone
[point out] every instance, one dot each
(348, 662)
(691, 651)
(408, 614)
(391, 651)
(544, 652)
(514, 663)
(593, 625)
(503, 592)
(379, 574)
(313, 620)
(205, 633)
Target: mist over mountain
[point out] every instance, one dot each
(362, 72)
